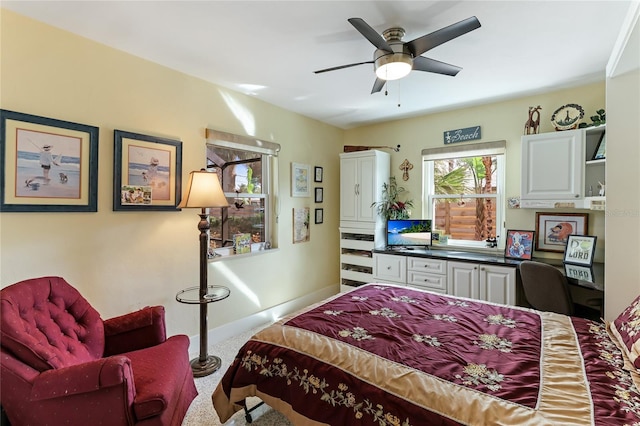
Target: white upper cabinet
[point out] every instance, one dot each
(362, 174)
(552, 172)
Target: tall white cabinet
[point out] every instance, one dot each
(362, 174)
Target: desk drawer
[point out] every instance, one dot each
(427, 281)
(431, 266)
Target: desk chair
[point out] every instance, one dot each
(546, 288)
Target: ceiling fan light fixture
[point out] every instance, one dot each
(393, 66)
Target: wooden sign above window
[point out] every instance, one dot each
(462, 135)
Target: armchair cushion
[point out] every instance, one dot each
(158, 372)
(136, 330)
(48, 324)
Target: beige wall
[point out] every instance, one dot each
(126, 260)
(499, 121)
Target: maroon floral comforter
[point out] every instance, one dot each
(388, 355)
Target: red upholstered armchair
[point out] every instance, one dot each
(62, 364)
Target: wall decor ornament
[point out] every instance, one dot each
(317, 174)
(567, 117)
(301, 225)
(147, 172)
(319, 195)
(300, 180)
(532, 125)
(48, 165)
(405, 167)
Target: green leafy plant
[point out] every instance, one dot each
(391, 207)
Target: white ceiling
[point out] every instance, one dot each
(269, 49)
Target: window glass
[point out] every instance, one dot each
(244, 173)
(464, 197)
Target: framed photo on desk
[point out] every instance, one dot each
(580, 250)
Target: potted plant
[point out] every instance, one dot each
(390, 207)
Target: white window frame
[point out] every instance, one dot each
(497, 149)
(269, 159)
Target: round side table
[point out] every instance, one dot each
(205, 364)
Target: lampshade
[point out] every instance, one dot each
(203, 191)
(393, 66)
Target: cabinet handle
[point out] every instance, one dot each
(426, 266)
(577, 195)
(388, 268)
(357, 189)
(482, 269)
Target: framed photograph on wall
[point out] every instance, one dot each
(300, 180)
(319, 195)
(301, 227)
(553, 229)
(47, 165)
(147, 172)
(319, 216)
(317, 174)
(519, 245)
(580, 250)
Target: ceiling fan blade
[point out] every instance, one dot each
(431, 65)
(342, 66)
(370, 34)
(378, 85)
(427, 42)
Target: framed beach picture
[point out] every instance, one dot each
(580, 250)
(147, 172)
(553, 229)
(519, 245)
(300, 180)
(47, 165)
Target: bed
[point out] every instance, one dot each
(390, 355)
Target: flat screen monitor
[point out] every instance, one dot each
(408, 233)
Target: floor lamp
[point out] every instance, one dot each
(204, 191)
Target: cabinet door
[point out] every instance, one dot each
(462, 279)
(552, 166)
(366, 189)
(390, 268)
(498, 284)
(348, 189)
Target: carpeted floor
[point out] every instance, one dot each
(201, 411)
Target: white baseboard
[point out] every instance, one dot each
(225, 331)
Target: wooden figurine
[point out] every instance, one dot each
(531, 127)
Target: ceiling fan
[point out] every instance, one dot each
(394, 59)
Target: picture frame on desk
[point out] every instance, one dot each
(553, 229)
(519, 244)
(580, 250)
(601, 150)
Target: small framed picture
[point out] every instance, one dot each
(300, 180)
(519, 245)
(580, 250)
(317, 175)
(319, 216)
(319, 195)
(601, 151)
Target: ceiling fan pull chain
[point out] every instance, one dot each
(398, 93)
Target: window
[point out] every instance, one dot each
(464, 192)
(244, 166)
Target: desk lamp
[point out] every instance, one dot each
(204, 191)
